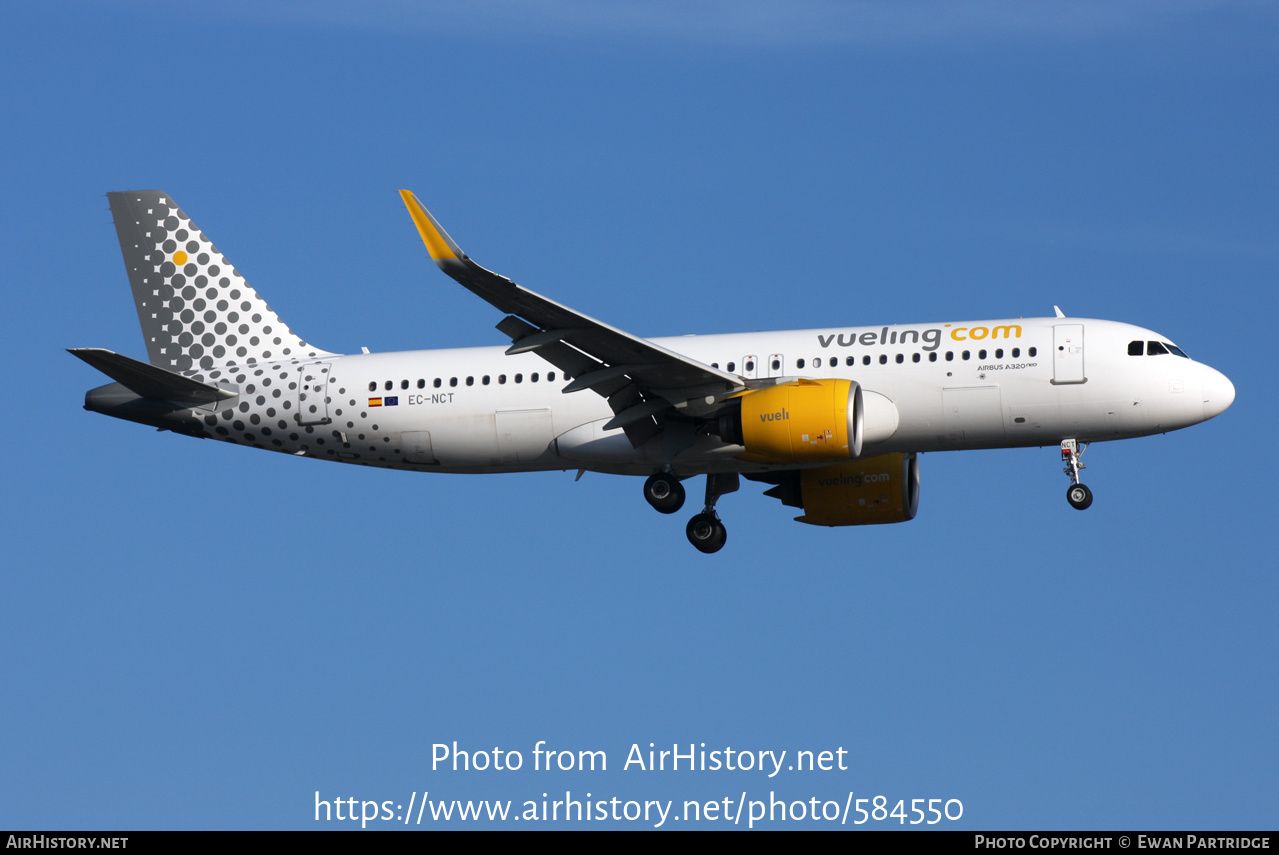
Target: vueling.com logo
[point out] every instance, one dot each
(931, 338)
(855, 480)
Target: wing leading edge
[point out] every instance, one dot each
(643, 382)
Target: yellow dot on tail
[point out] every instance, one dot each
(179, 258)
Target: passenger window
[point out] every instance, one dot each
(900, 359)
(866, 359)
(436, 382)
(1031, 351)
(932, 357)
(999, 354)
(883, 359)
(485, 380)
(452, 381)
(390, 384)
(372, 385)
(1154, 348)
(950, 356)
(799, 363)
(501, 379)
(732, 366)
(550, 377)
(834, 361)
(852, 360)
(519, 378)
(1016, 352)
(981, 354)
(532, 378)
(914, 357)
(470, 381)
(421, 384)
(404, 384)
(965, 355)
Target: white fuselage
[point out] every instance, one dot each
(927, 387)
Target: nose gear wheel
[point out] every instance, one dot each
(1079, 496)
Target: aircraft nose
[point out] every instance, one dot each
(1218, 393)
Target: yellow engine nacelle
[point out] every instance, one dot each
(881, 489)
(805, 421)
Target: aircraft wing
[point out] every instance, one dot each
(641, 380)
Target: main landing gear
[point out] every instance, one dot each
(1079, 496)
(705, 531)
(664, 492)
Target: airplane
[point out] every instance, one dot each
(832, 420)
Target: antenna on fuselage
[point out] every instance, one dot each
(1059, 312)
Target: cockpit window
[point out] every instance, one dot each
(1155, 348)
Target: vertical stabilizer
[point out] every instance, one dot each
(196, 311)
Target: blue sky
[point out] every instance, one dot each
(197, 635)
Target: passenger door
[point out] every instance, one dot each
(313, 396)
(1068, 354)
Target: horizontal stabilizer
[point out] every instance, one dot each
(150, 381)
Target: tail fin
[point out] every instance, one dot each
(197, 312)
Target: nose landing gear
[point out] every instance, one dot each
(1079, 496)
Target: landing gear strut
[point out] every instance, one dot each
(705, 531)
(1079, 496)
(664, 492)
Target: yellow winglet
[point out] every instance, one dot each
(438, 243)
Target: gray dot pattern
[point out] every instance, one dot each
(201, 318)
(197, 312)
